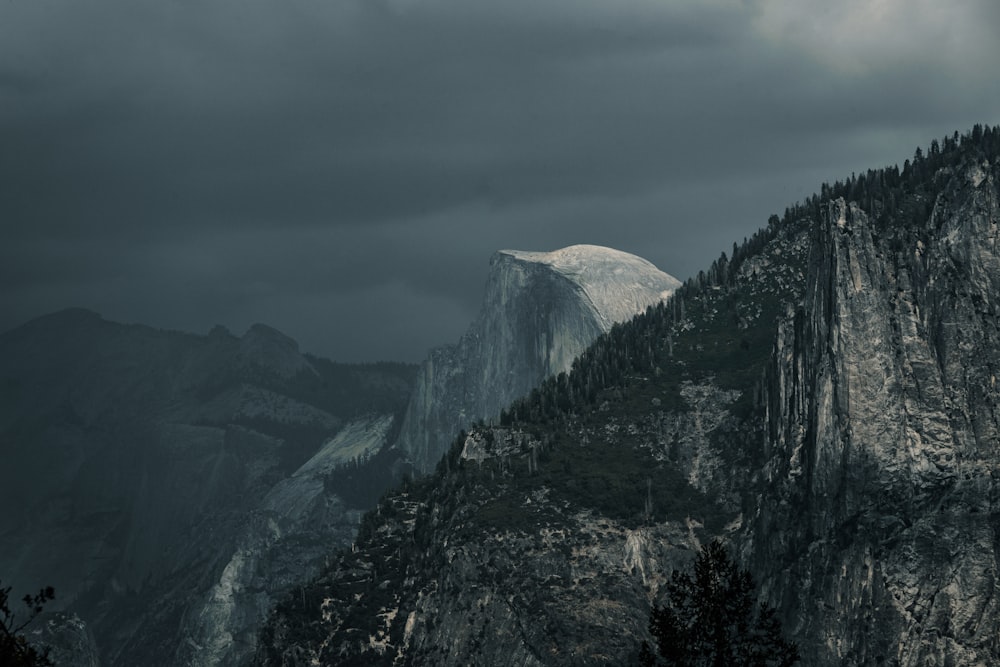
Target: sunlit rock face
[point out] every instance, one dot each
(540, 311)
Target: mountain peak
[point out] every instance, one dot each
(540, 311)
(273, 350)
(581, 253)
(262, 332)
(618, 284)
(65, 317)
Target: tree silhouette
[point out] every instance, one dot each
(15, 651)
(712, 619)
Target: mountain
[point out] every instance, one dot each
(172, 486)
(540, 311)
(824, 400)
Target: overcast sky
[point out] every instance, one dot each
(343, 169)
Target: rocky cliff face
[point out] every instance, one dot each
(171, 486)
(885, 429)
(825, 401)
(540, 311)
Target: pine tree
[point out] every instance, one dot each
(15, 651)
(712, 619)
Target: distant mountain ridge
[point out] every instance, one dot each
(160, 480)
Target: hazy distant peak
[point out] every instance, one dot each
(76, 312)
(69, 316)
(220, 331)
(260, 331)
(57, 324)
(274, 350)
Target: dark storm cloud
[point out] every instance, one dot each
(336, 168)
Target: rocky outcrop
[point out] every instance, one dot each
(171, 487)
(67, 639)
(540, 311)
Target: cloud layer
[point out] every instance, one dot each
(343, 170)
